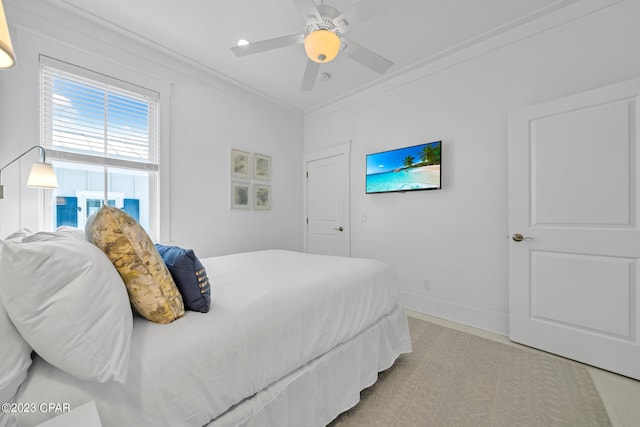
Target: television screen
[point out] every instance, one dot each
(405, 169)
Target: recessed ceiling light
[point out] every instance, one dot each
(243, 42)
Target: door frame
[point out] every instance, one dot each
(343, 148)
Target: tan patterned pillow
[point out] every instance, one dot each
(152, 291)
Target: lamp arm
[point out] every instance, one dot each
(48, 182)
(43, 155)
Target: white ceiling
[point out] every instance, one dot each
(409, 33)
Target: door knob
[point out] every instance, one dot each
(517, 237)
(339, 228)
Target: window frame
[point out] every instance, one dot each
(129, 81)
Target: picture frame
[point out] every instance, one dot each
(261, 197)
(261, 167)
(240, 164)
(240, 195)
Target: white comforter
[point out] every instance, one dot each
(272, 312)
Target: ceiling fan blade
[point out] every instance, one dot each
(366, 57)
(269, 44)
(360, 12)
(309, 11)
(310, 76)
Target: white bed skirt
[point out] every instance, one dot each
(319, 391)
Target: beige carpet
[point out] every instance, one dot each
(456, 379)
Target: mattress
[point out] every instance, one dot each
(274, 315)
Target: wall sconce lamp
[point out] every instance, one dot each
(41, 175)
(7, 57)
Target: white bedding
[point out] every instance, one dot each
(272, 313)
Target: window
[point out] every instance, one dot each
(102, 135)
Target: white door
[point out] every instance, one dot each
(573, 196)
(327, 227)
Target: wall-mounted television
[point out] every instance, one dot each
(405, 169)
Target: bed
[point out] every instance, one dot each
(290, 340)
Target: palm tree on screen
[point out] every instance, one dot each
(430, 155)
(408, 161)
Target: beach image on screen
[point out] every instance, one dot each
(404, 169)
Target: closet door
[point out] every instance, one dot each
(327, 206)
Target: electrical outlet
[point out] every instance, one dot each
(426, 284)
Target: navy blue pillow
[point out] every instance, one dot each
(190, 277)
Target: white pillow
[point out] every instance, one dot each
(44, 236)
(15, 355)
(71, 231)
(19, 235)
(70, 304)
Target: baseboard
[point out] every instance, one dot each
(472, 316)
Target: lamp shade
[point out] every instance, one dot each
(7, 57)
(322, 45)
(42, 176)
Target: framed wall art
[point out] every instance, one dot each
(261, 166)
(240, 164)
(240, 195)
(261, 197)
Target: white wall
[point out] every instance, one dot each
(205, 125)
(203, 117)
(457, 237)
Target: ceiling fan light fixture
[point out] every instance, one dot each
(7, 57)
(322, 45)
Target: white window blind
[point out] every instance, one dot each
(89, 117)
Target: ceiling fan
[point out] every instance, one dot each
(323, 37)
